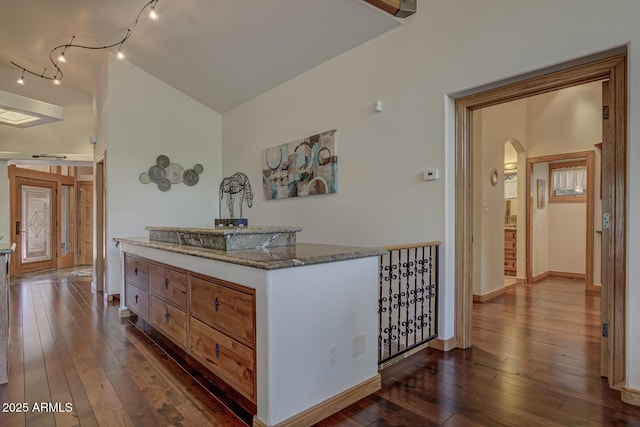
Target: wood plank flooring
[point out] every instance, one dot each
(535, 362)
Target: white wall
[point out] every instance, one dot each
(567, 242)
(69, 136)
(146, 118)
(496, 126)
(413, 69)
(540, 218)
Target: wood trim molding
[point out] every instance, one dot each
(490, 295)
(563, 274)
(630, 395)
(397, 8)
(444, 345)
(330, 406)
(596, 68)
(594, 290)
(539, 277)
(589, 160)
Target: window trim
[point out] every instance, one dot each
(578, 198)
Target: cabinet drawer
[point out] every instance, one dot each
(169, 320)
(510, 244)
(227, 309)
(169, 285)
(510, 264)
(136, 271)
(227, 358)
(137, 301)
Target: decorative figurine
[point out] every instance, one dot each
(238, 183)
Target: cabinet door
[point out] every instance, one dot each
(136, 271)
(169, 285)
(226, 309)
(170, 321)
(224, 356)
(137, 301)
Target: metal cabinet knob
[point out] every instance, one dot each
(217, 351)
(166, 283)
(216, 303)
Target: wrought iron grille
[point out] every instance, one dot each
(408, 299)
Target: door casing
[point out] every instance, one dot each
(610, 66)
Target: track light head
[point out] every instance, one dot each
(119, 55)
(62, 59)
(153, 15)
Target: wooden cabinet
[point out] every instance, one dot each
(169, 320)
(169, 284)
(211, 319)
(136, 277)
(223, 331)
(224, 356)
(137, 300)
(136, 271)
(227, 308)
(510, 251)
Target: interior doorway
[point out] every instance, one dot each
(47, 215)
(611, 67)
(35, 224)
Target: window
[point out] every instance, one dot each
(568, 181)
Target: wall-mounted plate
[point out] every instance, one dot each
(157, 173)
(174, 173)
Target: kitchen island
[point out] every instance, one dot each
(287, 332)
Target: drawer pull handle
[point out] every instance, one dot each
(217, 304)
(136, 299)
(166, 283)
(217, 351)
(136, 271)
(166, 317)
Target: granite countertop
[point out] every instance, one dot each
(254, 229)
(5, 249)
(267, 259)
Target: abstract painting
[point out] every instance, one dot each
(305, 167)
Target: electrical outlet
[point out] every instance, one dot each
(333, 355)
(359, 345)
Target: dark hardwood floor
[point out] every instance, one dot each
(535, 362)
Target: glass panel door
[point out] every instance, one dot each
(36, 217)
(35, 225)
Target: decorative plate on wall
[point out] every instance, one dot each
(174, 173)
(165, 174)
(190, 177)
(157, 173)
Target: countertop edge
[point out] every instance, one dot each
(344, 253)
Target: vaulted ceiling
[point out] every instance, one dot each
(220, 52)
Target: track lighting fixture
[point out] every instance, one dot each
(61, 58)
(153, 15)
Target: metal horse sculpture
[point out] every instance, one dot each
(238, 183)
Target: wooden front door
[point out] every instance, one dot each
(35, 225)
(85, 223)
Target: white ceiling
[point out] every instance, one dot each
(220, 52)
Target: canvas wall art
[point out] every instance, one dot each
(305, 167)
